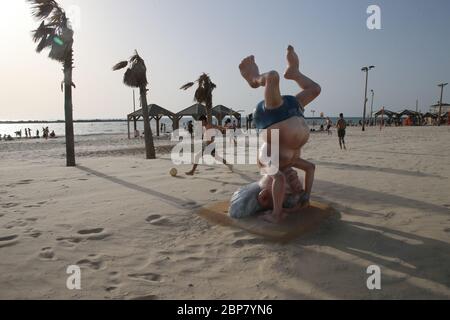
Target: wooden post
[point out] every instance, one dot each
(158, 131)
(128, 127)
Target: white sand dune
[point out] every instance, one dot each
(135, 234)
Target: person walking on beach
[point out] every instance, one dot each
(191, 128)
(206, 142)
(329, 124)
(341, 127)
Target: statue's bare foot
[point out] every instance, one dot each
(293, 69)
(250, 71)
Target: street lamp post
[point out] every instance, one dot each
(366, 70)
(442, 85)
(371, 106)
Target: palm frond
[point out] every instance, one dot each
(54, 31)
(120, 65)
(42, 31)
(187, 86)
(42, 9)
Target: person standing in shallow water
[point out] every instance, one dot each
(341, 127)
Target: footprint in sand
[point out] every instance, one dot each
(47, 254)
(157, 220)
(94, 234)
(389, 215)
(83, 235)
(69, 241)
(37, 205)
(16, 224)
(21, 182)
(35, 234)
(242, 242)
(447, 230)
(191, 205)
(94, 263)
(145, 297)
(90, 231)
(7, 241)
(148, 277)
(114, 281)
(9, 205)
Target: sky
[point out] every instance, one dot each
(181, 39)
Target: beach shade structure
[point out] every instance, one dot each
(430, 115)
(413, 117)
(385, 114)
(409, 113)
(196, 111)
(221, 112)
(55, 33)
(444, 109)
(155, 112)
(136, 77)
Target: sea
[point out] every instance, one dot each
(115, 127)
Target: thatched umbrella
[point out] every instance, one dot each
(136, 77)
(55, 33)
(203, 94)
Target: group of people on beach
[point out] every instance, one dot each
(46, 134)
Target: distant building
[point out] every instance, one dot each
(445, 108)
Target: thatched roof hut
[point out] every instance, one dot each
(196, 111)
(387, 113)
(155, 112)
(224, 112)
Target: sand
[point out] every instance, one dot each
(135, 233)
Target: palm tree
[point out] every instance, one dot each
(55, 33)
(203, 94)
(136, 77)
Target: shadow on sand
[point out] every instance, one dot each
(354, 167)
(171, 200)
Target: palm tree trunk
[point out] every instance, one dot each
(149, 145)
(70, 140)
(209, 110)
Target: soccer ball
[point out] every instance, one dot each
(173, 172)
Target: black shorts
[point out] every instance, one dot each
(341, 133)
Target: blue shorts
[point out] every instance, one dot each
(265, 118)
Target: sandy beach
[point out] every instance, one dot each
(135, 233)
